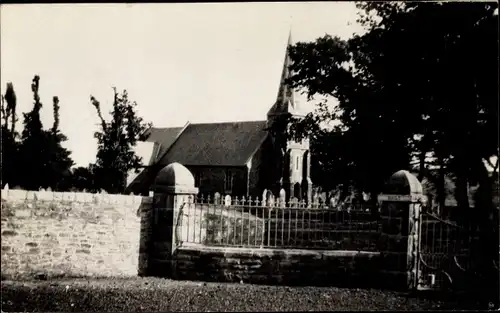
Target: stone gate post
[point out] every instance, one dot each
(399, 242)
(173, 187)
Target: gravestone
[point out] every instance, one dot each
(271, 201)
(227, 200)
(282, 197)
(217, 198)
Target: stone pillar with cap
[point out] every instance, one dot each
(173, 189)
(400, 206)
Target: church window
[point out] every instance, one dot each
(297, 163)
(228, 180)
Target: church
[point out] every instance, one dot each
(235, 158)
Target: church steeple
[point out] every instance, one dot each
(288, 99)
(293, 157)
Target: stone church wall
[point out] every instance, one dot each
(212, 180)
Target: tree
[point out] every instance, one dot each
(44, 161)
(115, 139)
(323, 68)
(33, 171)
(82, 178)
(401, 78)
(10, 145)
(60, 161)
(423, 80)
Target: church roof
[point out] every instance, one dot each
(212, 144)
(165, 137)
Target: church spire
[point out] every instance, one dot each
(287, 98)
(290, 41)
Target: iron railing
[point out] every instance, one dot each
(256, 224)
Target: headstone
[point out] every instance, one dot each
(264, 197)
(316, 198)
(227, 200)
(334, 201)
(282, 194)
(321, 202)
(282, 197)
(217, 198)
(270, 199)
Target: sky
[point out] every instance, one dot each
(198, 62)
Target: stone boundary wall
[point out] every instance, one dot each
(56, 234)
(277, 266)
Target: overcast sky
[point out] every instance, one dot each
(184, 62)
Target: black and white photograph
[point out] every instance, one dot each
(250, 156)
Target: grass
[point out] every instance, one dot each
(155, 294)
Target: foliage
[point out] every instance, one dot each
(60, 157)
(9, 143)
(408, 75)
(43, 161)
(422, 80)
(82, 178)
(115, 139)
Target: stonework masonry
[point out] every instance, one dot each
(58, 234)
(213, 180)
(278, 266)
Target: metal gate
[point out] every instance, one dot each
(444, 253)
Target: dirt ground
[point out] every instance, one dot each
(155, 294)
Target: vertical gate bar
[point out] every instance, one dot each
(302, 227)
(282, 225)
(215, 227)
(256, 222)
(276, 220)
(315, 227)
(419, 238)
(242, 225)
(263, 226)
(433, 242)
(249, 222)
(201, 222)
(296, 222)
(269, 226)
(309, 231)
(229, 226)
(352, 223)
(321, 226)
(328, 230)
(193, 211)
(187, 221)
(235, 226)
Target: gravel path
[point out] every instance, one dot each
(155, 294)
